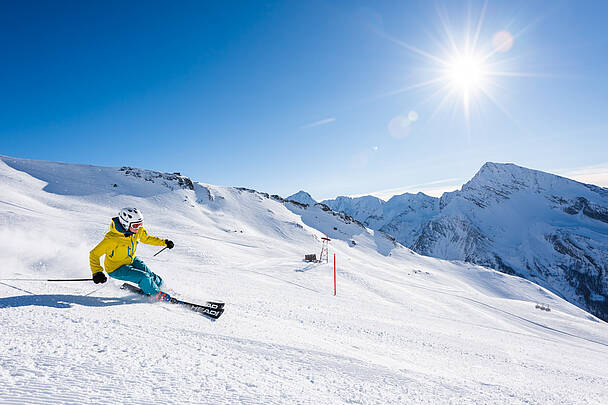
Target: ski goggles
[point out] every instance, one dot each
(135, 225)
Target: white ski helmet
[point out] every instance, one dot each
(128, 216)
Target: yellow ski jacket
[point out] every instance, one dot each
(119, 247)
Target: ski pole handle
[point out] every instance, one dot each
(160, 250)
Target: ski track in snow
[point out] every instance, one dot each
(403, 328)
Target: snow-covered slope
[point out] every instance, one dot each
(403, 328)
(544, 227)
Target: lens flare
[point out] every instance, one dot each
(502, 41)
(399, 127)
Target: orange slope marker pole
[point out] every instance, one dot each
(334, 274)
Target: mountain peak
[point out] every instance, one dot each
(302, 197)
(497, 182)
(419, 196)
(513, 171)
(493, 168)
(507, 178)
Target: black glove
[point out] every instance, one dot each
(99, 278)
(169, 243)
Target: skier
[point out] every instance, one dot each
(119, 245)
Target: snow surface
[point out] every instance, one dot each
(403, 328)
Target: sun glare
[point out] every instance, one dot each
(468, 69)
(466, 73)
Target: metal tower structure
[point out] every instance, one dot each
(324, 250)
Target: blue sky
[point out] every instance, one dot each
(325, 96)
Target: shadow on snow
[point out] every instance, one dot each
(64, 301)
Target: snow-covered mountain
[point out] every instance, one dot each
(543, 227)
(403, 328)
(403, 216)
(302, 197)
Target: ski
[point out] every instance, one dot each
(210, 304)
(211, 309)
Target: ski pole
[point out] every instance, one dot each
(160, 250)
(41, 279)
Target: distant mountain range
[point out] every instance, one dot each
(540, 226)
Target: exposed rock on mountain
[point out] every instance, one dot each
(169, 180)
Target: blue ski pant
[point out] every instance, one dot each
(138, 273)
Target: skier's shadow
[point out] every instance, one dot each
(64, 301)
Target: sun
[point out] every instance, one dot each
(466, 72)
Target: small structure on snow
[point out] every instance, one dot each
(310, 258)
(543, 307)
